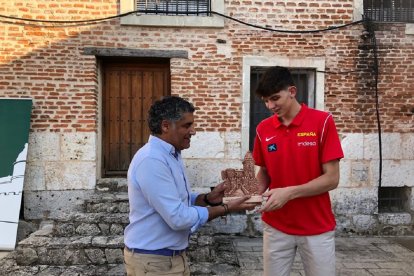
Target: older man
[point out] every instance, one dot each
(163, 211)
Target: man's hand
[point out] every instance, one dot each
(234, 205)
(240, 204)
(277, 198)
(216, 195)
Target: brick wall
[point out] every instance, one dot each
(46, 62)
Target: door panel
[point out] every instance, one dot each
(137, 137)
(125, 124)
(112, 119)
(129, 90)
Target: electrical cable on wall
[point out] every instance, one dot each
(93, 21)
(369, 27)
(5, 221)
(96, 20)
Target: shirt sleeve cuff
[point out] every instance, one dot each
(202, 218)
(193, 198)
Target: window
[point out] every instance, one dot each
(175, 7)
(393, 199)
(251, 67)
(172, 13)
(305, 82)
(389, 10)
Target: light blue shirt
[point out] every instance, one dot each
(162, 212)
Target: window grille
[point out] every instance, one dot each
(305, 82)
(393, 199)
(389, 10)
(174, 7)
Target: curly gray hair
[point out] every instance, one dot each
(170, 108)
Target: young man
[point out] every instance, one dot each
(298, 151)
(163, 212)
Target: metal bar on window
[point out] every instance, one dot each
(198, 4)
(393, 199)
(175, 7)
(389, 10)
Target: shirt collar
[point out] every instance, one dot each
(297, 120)
(164, 145)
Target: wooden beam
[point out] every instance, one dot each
(128, 52)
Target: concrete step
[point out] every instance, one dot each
(199, 269)
(84, 270)
(46, 249)
(108, 203)
(112, 185)
(88, 224)
(45, 254)
(67, 251)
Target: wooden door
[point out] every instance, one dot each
(129, 90)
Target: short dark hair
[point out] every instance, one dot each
(274, 79)
(170, 108)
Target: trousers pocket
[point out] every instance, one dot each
(159, 265)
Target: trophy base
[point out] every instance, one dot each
(252, 199)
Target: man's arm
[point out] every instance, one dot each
(232, 206)
(329, 180)
(263, 179)
(160, 191)
(215, 196)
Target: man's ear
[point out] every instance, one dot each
(292, 90)
(165, 126)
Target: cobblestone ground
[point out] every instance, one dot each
(360, 256)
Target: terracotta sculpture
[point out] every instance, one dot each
(241, 182)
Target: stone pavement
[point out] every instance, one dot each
(242, 256)
(355, 256)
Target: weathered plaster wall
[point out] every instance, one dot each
(355, 201)
(54, 157)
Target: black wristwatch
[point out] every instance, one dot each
(210, 203)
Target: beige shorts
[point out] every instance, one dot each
(279, 249)
(155, 265)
